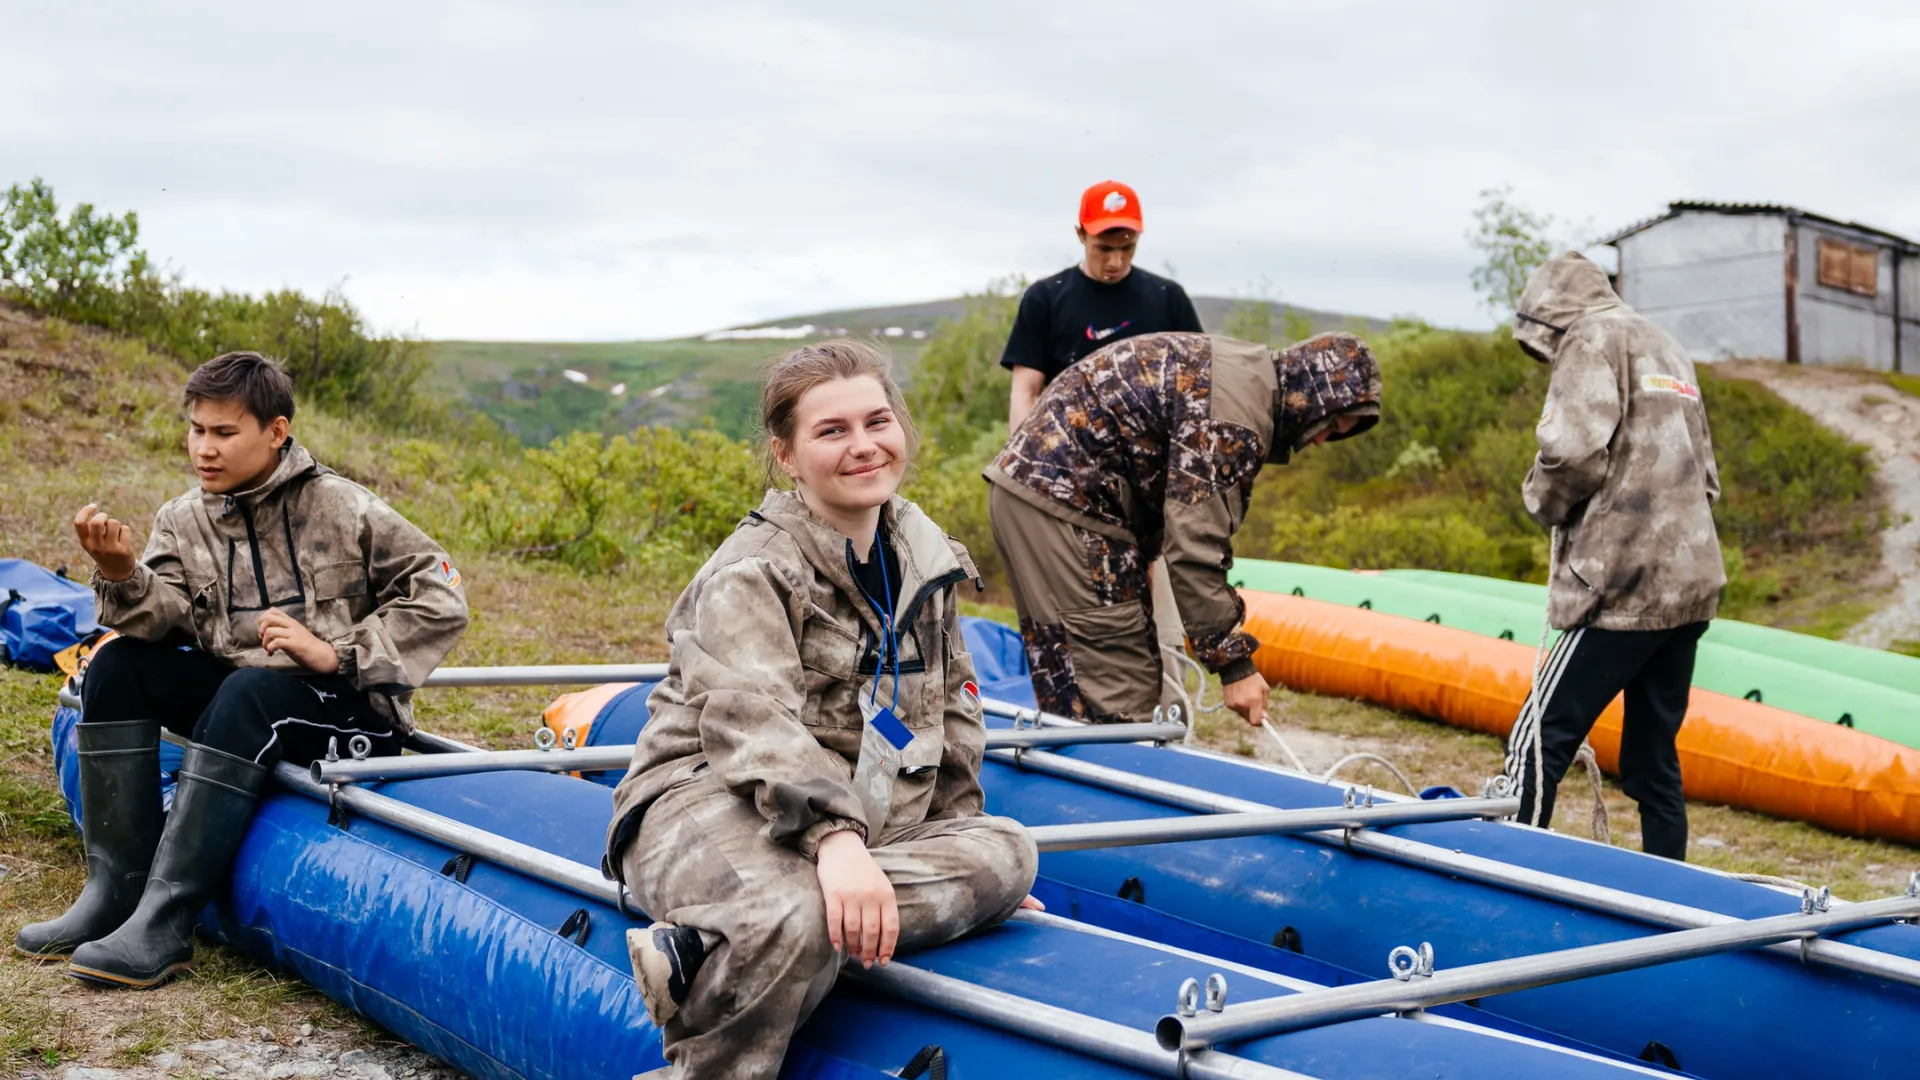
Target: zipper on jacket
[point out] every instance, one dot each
(909, 616)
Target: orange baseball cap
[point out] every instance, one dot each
(1110, 204)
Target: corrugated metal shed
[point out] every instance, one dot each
(1768, 281)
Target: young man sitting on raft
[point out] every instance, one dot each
(278, 608)
(807, 791)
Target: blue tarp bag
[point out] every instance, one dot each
(41, 613)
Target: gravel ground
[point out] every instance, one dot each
(310, 1054)
(1887, 422)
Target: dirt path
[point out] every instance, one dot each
(1887, 422)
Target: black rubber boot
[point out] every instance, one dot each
(214, 802)
(120, 823)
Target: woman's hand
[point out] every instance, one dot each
(862, 919)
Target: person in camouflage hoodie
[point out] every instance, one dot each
(279, 608)
(1625, 478)
(1149, 447)
(762, 821)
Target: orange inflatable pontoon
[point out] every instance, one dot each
(1736, 752)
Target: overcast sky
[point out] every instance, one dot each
(573, 171)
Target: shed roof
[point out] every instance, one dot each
(1675, 209)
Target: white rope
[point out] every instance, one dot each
(1377, 759)
(1196, 703)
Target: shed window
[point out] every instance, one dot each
(1847, 266)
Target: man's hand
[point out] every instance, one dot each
(1032, 904)
(279, 630)
(862, 919)
(1248, 697)
(109, 543)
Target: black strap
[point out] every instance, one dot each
(929, 1060)
(1506, 635)
(578, 926)
(459, 867)
(1132, 889)
(1659, 1053)
(1434, 618)
(1298, 591)
(1754, 695)
(1288, 938)
(1366, 605)
(1846, 719)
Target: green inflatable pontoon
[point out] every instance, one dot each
(1874, 691)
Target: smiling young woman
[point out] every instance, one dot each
(807, 788)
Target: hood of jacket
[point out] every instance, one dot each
(1564, 290)
(295, 462)
(925, 554)
(1320, 379)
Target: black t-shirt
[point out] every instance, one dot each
(1067, 316)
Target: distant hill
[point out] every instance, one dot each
(615, 387)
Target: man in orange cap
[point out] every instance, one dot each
(1101, 301)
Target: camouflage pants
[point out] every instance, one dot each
(702, 859)
(1086, 612)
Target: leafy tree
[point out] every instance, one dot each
(958, 387)
(1512, 241)
(65, 267)
(86, 267)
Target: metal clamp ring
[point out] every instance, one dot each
(333, 748)
(1811, 901)
(1216, 992)
(571, 737)
(1349, 799)
(1159, 713)
(1175, 714)
(1405, 961)
(1188, 1002)
(1913, 884)
(360, 747)
(543, 739)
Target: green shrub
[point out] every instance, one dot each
(659, 499)
(1786, 482)
(87, 268)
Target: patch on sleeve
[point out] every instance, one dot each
(449, 574)
(1667, 384)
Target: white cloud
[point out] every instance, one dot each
(590, 171)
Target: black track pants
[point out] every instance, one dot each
(263, 716)
(1583, 672)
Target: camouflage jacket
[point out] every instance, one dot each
(315, 544)
(773, 642)
(1625, 469)
(1156, 441)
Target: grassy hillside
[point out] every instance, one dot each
(85, 416)
(687, 382)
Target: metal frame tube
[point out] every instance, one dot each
(1061, 1027)
(512, 854)
(1106, 834)
(1831, 954)
(545, 674)
(620, 755)
(1317, 1008)
(1076, 1031)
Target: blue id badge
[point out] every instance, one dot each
(883, 741)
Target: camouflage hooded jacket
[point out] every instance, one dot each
(315, 544)
(1625, 468)
(773, 642)
(1156, 440)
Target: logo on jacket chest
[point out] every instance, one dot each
(1667, 384)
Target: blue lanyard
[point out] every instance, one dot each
(886, 622)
